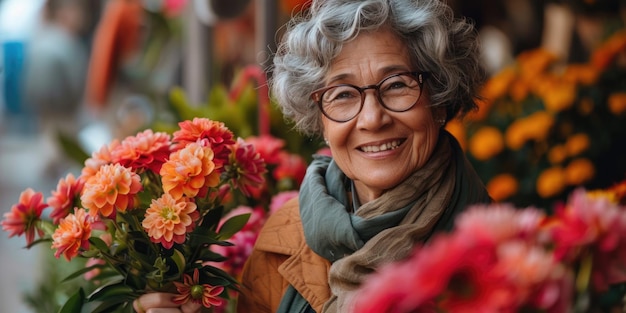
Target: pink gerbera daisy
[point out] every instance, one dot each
(25, 215)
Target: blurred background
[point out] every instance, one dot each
(75, 74)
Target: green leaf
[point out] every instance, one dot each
(179, 260)
(233, 225)
(75, 303)
(117, 291)
(83, 271)
(72, 148)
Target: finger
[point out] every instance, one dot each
(138, 307)
(191, 307)
(157, 300)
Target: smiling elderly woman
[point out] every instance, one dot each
(378, 80)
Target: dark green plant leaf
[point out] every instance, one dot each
(75, 303)
(233, 225)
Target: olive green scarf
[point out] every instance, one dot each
(385, 229)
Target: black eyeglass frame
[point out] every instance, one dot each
(318, 94)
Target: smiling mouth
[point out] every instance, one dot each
(384, 147)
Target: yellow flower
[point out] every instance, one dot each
(502, 186)
(538, 125)
(576, 144)
(550, 182)
(496, 87)
(617, 103)
(486, 143)
(516, 134)
(560, 96)
(557, 154)
(579, 171)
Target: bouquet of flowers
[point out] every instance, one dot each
(500, 258)
(148, 212)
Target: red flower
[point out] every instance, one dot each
(248, 166)
(65, 198)
(25, 215)
(268, 147)
(592, 225)
(210, 133)
(290, 166)
(192, 290)
(145, 150)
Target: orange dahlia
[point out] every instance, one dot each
(145, 150)
(112, 188)
(72, 234)
(168, 220)
(188, 171)
(98, 159)
(211, 133)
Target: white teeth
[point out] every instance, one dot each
(386, 146)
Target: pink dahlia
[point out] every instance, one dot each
(210, 133)
(146, 150)
(65, 198)
(25, 215)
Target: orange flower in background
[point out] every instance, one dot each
(516, 135)
(538, 125)
(617, 103)
(112, 189)
(147, 149)
(532, 63)
(577, 144)
(65, 197)
(494, 88)
(188, 171)
(559, 95)
(579, 171)
(584, 74)
(557, 154)
(487, 142)
(192, 290)
(24, 216)
(551, 182)
(457, 129)
(168, 220)
(72, 235)
(210, 133)
(502, 186)
(608, 51)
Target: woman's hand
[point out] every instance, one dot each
(159, 302)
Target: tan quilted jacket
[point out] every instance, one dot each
(281, 257)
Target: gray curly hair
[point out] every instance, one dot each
(441, 44)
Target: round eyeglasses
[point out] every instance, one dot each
(396, 93)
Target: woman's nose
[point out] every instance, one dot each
(373, 114)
